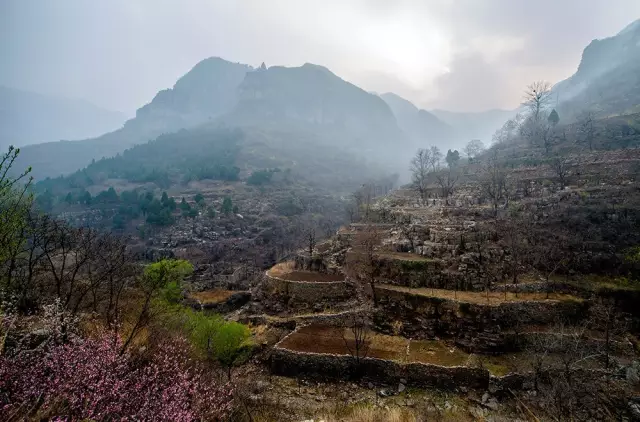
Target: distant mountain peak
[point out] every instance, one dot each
(632, 27)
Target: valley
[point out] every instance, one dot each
(275, 243)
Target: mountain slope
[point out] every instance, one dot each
(310, 97)
(422, 127)
(204, 93)
(608, 78)
(28, 118)
(307, 99)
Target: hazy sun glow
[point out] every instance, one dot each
(414, 53)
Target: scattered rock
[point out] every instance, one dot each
(477, 412)
(401, 388)
(492, 403)
(485, 397)
(633, 373)
(385, 393)
(634, 408)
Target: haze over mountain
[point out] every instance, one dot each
(421, 126)
(608, 77)
(311, 99)
(29, 118)
(216, 92)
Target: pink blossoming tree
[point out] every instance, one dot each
(90, 379)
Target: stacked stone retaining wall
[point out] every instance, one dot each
(477, 328)
(306, 294)
(330, 366)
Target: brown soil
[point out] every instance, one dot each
(212, 296)
(481, 298)
(330, 340)
(436, 352)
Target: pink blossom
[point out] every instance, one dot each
(88, 379)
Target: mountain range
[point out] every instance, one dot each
(314, 103)
(30, 118)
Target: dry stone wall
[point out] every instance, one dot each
(476, 328)
(306, 294)
(329, 366)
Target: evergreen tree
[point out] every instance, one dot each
(452, 158)
(184, 206)
(227, 205)
(553, 117)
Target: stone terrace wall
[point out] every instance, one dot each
(426, 273)
(305, 294)
(328, 366)
(476, 328)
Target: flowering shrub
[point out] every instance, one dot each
(89, 379)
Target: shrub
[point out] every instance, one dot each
(90, 379)
(231, 344)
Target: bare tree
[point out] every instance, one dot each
(352, 211)
(436, 158)
(509, 131)
(420, 165)
(538, 131)
(548, 252)
(536, 98)
(447, 180)
(363, 265)
(586, 128)
(309, 233)
(493, 181)
(408, 230)
(606, 318)
(474, 148)
(364, 199)
(355, 334)
(560, 166)
(513, 231)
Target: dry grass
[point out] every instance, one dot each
(437, 353)
(287, 271)
(282, 268)
(404, 256)
(212, 296)
(373, 414)
(481, 298)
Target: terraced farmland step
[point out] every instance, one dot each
(286, 271)
(481, 298)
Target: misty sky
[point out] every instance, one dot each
(462, 55)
